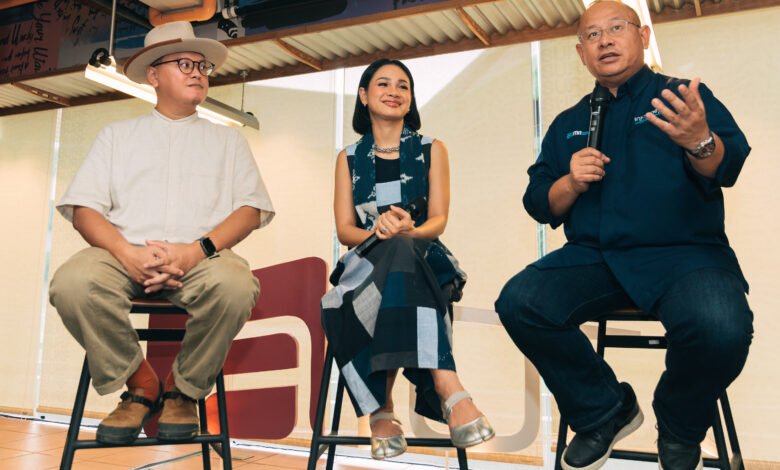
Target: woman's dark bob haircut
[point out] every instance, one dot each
(361, 120)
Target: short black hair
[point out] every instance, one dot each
(361, 120)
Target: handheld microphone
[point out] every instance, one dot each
(599, 102)
(414, 208)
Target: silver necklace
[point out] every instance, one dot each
(376, 148)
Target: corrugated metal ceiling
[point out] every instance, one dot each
(416, 33)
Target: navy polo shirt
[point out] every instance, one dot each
(653, 218)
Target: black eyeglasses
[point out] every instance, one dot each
(186, 65)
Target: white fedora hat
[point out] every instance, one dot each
(170, 38)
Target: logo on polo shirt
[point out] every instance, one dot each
(643, 119)
(576, 133)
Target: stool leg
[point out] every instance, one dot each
(319, 417)
(334, 427)
(601, 338)
(75, 417)
(463, 463)
(720, 441)
(205, 452)
(731, 429)
(563, 428)
(227, 463)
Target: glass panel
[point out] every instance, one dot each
(62, 355)
(25, 162)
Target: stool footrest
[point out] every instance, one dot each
(160, 335)
(653, 457)
(411, 442)
(635, 342)
(634, 455)
(149, 441)
(324, 442)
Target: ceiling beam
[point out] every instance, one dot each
(8, 79)
(78, 101)
(47, 95)
(299, 55)
(473, 26)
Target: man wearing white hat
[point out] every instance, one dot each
(161, 199)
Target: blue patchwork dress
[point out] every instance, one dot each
(390, 307)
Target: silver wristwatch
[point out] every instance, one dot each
(704, 149)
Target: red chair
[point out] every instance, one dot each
(284, 341)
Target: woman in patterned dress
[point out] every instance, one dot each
(391, 304)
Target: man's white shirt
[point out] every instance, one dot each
(156, 178)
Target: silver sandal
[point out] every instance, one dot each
(469, 434)
(386, 447)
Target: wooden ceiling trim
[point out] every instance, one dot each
(473, 26)
(299, 55)
(49, 73)
(79, 101)
(46, 95)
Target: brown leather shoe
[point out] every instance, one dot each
(122, 426)
(179, 419)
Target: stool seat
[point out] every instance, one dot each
(155, 306)
(147, 302)
(627, 314)
(221, 441)
(604, 341)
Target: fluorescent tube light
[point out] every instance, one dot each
(211, 109)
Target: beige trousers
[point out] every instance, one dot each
(92, 293)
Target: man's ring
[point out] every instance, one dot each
(383, 231)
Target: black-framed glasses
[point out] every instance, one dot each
(615, 28)
(186, 65)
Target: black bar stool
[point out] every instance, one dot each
(604, 341)
(321, 443)
(221, 441)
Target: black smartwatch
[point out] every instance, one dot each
(208, 247)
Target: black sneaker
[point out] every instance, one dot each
(674, 455)
(590, 450)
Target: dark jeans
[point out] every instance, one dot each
(709, 327)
